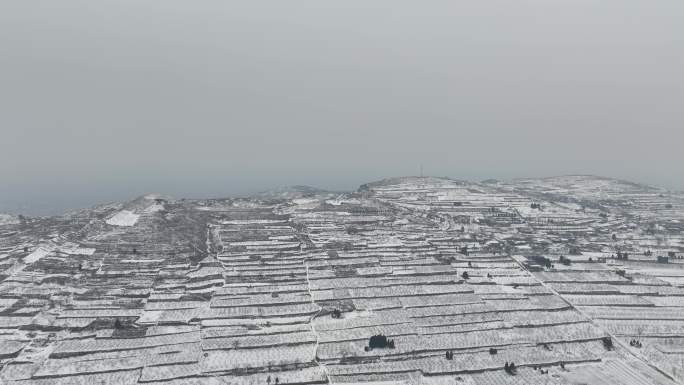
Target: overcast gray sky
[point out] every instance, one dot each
(105, 100)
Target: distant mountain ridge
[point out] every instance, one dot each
(305, 191)
(290, 192)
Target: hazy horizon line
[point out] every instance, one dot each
(40, 211)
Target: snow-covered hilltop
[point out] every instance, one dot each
(567, 280)
(6, 219)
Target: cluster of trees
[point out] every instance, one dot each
(635, 343)
(621, 255)
(543, 261)
(510, 368)
(126, 328)
(673, 255)
(574, 251)
(449, 355)
(662, 258)
(542, 371)
(352, 230)
(607, 343)
(537, 206)
(379, 341)
(336, 313)
(564, 260)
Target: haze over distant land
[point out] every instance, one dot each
(103, 101)
(47, 207)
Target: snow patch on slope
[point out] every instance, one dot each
(6, 219)
(37, 254)
(75, 250)
(123, 218)
(154, 208)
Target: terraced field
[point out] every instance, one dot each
(574, 280)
